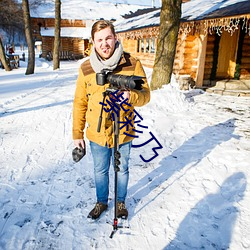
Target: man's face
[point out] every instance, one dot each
(104, 42)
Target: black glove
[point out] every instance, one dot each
(78, 153)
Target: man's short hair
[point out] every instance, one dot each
(101, 24)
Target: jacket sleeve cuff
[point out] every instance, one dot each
(77, 135)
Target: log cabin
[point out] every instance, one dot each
(213, 41)
(74, 37)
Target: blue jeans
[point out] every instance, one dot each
(102, 158)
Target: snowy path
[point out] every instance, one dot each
(194, 195)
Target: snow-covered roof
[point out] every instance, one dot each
(79, 32)
(191, 11)
(145, 20)
(85, 10)
(206, 9)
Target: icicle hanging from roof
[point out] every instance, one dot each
(218, 25)
(229, 24)
(246, 25)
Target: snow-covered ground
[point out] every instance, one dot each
(193, 195)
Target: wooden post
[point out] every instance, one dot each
(201, 60)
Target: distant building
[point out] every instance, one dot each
(77, 19)
(75, 36)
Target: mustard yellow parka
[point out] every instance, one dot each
(87, 107)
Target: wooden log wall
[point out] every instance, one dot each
(185, 59)
(50, 22)
(186, 55)
(146, 59)
(178, 61)
(79, 46)
(245, 60)
(190, 56)
(73, 45)
(47, 45)
(209, 57)
(131, 46)
(66, 44)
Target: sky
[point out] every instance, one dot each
(193, 195)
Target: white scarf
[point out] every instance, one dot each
(98, 64)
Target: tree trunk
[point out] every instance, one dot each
(28, 33)
(3, 57)
(56, 59)
(168, 34)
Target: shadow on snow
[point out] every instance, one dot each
(23, 110)
(189, 155)
(210, 223)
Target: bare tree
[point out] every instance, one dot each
(168, 34)
(3, 57)
(36, 3)
(11, 17)
(56, 59)
(28, 33)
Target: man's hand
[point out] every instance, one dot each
(79, 143)
(126, 94)
(79, 151)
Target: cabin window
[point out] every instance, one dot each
(140, 45)
(146, 45)
(152, 45)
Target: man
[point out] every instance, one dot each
(107, 54)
